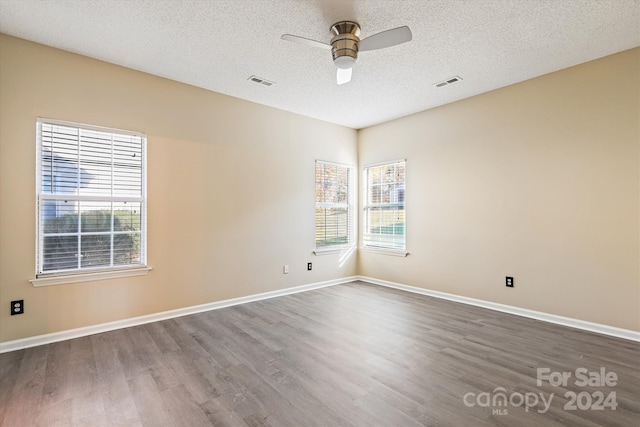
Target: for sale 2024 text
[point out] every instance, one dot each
(583, 377)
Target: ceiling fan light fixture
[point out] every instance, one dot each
(344, 62)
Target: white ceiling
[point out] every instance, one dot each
(219, 44)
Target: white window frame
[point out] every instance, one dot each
(82, 274)
(349, 205)
(392, 246)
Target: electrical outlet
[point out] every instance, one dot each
(285, 269)
(309, 266)
(17, 307)
(509, 282)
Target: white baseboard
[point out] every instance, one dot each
(141, 320)
(538, 315)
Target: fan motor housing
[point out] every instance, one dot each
(345, 43)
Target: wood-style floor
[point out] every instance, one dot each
(347, 355)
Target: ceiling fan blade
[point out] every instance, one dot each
(343, 75)
(386, 39)
(302, 40)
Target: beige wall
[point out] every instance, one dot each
(230, 190)
(539, 181)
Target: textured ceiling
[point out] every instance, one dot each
(219, 44)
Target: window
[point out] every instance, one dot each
(384, 206)
(91, 190)
(334, 205)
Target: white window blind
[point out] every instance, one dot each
(334, 205)
(384, 206)
(91, 190)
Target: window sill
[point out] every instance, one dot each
(334, 250)
(385, 251)
(88, 277)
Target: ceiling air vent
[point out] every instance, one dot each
(447, 82)
(260, 80)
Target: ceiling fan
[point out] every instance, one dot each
(346, 44)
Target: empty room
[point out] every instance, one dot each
(318, 213)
